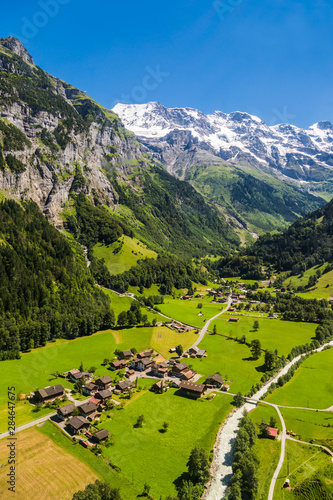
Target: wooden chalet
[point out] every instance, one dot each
(215, 380)
(124, 385)
(126, 354)
(87, 409)
(49, 393)
(65, 411)
(77, 424)
(101, 435)
(118, 365)
(192, 389)
(104, 382)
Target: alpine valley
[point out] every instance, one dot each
(166, 292)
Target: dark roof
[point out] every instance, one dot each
(54, 390)
(102, 434)
(103, 394)
(146, 361)
(216, 377)
(192, 386)
(180, 366)
(91, 386)
(104, 380)
(125, 384)
(78, 422)
(88, 407)
(127, 353)
(66, 410)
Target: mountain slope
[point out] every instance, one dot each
(56, 142)
(217, 152)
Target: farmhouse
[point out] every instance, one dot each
(126, 354)
(143, 364)
(49, 393)
(90, 388)
(101, 435)
(192, 389)
(103, 395)
(65, 411)
(216, 380)
(157, 387)
(118, 365)
(199, 353)
(145, 354)
(75, 375)
(272, 432)
(87, 409)
(233, 320)
(187, 374)
(160, 370)
(179, 369)
(124, 385)
(77, 424)
(129, 373)
(104, 382)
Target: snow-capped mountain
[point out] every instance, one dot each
(183, 137)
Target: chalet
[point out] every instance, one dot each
(199, 353)
(160, 370)
(75, 375)
(104, 382)
(124, 385)
(272, 432)
(157, 387)
(192, 389)
(49, 393)
(101, 435)
(90, 389)
(103, 395)
(179, 368)
(118, 365)
(187, 374)
(143, 364)
(199, 296)
(145, 354)
(87, 409)
(126, 354)
(129, 373)
(65, 411)
(233, 320)
(77, 424)
(215, 380)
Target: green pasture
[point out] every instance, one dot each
(187, 310)
(148, 455)
(309, 424)
(272, 333)
(121, 255)
(323, 289)
(311, 386)
(97, 464)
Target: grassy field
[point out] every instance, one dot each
(123, 254)
(302, 461)
(34, 369)
(39, 457)
(311, 386)
(267, 450)
(149, 455)
(229, 358)
(123, 303)
(187, 310)
(163, 338)
(309, 424)
(272, 333)
(96, 464)
(324, 287)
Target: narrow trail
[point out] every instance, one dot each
(222, 463)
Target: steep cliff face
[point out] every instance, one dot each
(55, 142)
(69, 136)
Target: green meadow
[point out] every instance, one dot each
(187, 310)
(311, 386)
(323, 289)
(98, 465)
(148, 455)
(231, 360)
(272, 333)
(309, 424)
(122, 254)
(301, 462)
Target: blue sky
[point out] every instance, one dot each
(272, 58)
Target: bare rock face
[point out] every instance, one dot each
(52, 170)
(16, 46)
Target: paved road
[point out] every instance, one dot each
(282, 454)
(330, 452)
(205, 328)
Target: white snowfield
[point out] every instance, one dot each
(234, 133)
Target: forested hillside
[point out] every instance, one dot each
(46, 289)
(306, 243)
